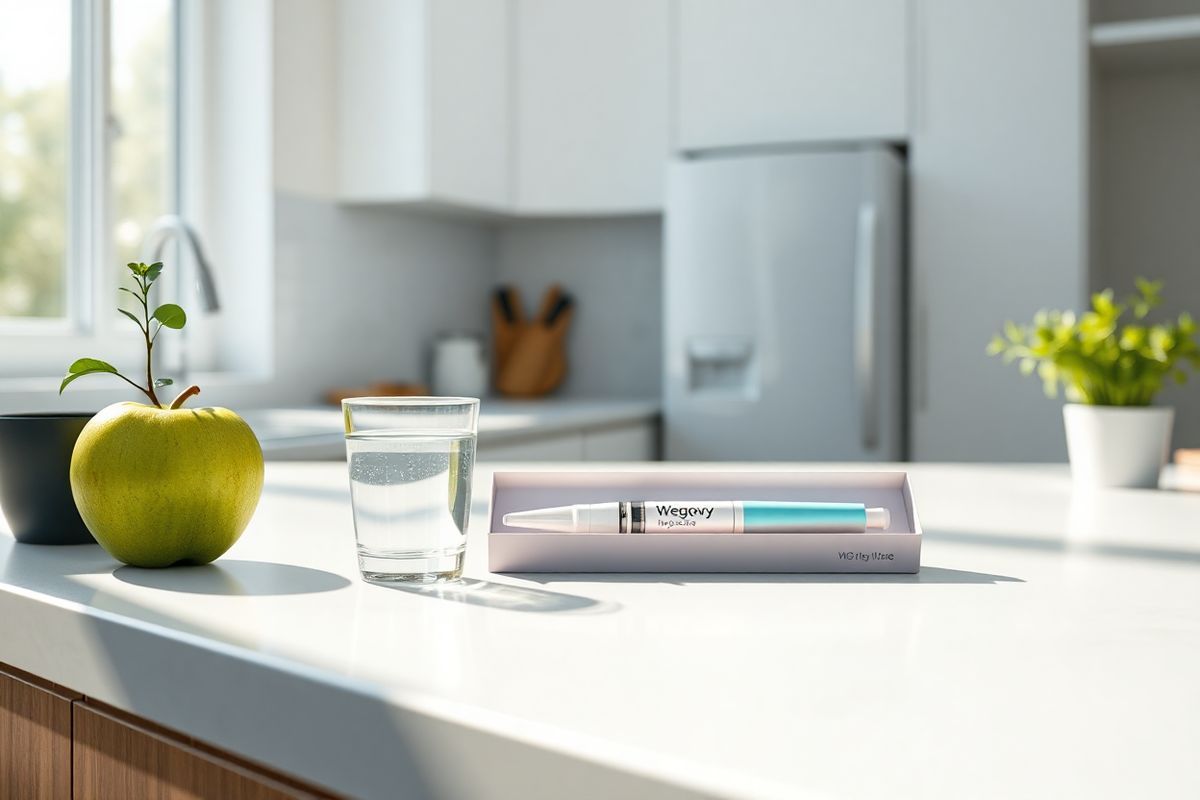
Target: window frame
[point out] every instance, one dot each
(37, 347)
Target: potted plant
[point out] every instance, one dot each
(1110, 370)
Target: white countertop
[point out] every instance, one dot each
(499, 420)
(1050, 646)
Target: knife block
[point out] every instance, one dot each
(530, 357)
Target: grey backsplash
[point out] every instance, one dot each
(613, 268)
(362, 291)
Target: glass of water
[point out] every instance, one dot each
(410, 462)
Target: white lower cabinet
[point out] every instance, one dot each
(559, 447)
(633, 442)
(626, 443)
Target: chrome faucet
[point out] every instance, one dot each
(164, 229)
(169, 227)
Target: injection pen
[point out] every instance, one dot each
(704, 516)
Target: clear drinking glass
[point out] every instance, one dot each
(410, 461)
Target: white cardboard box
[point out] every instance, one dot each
(897, 549)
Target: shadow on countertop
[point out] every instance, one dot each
(927, 575)
(234, 577)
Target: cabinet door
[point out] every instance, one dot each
(778, 71)
(423, 102)
(997, 180)
(35, 740)
(115, 758)
(625, 443)
(557, 447)
(591, 104)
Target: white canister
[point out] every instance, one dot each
(459, 366)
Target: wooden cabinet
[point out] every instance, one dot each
(591, 105)
(35, 738)
(118, 757)
(55, 744)
(423, 102)
(753, 72)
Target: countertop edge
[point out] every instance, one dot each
(138, 668)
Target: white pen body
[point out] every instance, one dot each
(690, 516)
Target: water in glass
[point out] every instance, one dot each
(411, 493)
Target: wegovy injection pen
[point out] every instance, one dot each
(704, 516)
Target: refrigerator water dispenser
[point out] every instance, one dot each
(722, 366)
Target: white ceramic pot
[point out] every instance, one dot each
(1116, 445)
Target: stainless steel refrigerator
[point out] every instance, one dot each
(783, 306)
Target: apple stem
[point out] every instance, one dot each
(184, 395)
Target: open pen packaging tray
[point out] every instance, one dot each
(896, 549)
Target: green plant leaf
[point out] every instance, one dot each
(153, 271)
(1098, 360)
(1133, 337)
(136, 321)
(91, 365)
(84, 366)
(170, 316)
(161, 382)
(1102, 302)
(1148, 288)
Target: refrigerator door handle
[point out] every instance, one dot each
(865, 265)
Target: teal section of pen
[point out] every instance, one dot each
(767, 516)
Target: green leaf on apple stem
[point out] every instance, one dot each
(170, 316)
(167, 315)
(91, 365)
(84, 366)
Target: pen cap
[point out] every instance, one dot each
(593, 518)
(560, 518)
(879, 519)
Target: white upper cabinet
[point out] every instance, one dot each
(424, 102)
(591, 105)
(753, 72)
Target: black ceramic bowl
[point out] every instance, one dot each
(35, 477)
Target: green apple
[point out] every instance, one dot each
(161, 486)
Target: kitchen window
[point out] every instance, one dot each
(90, 125)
